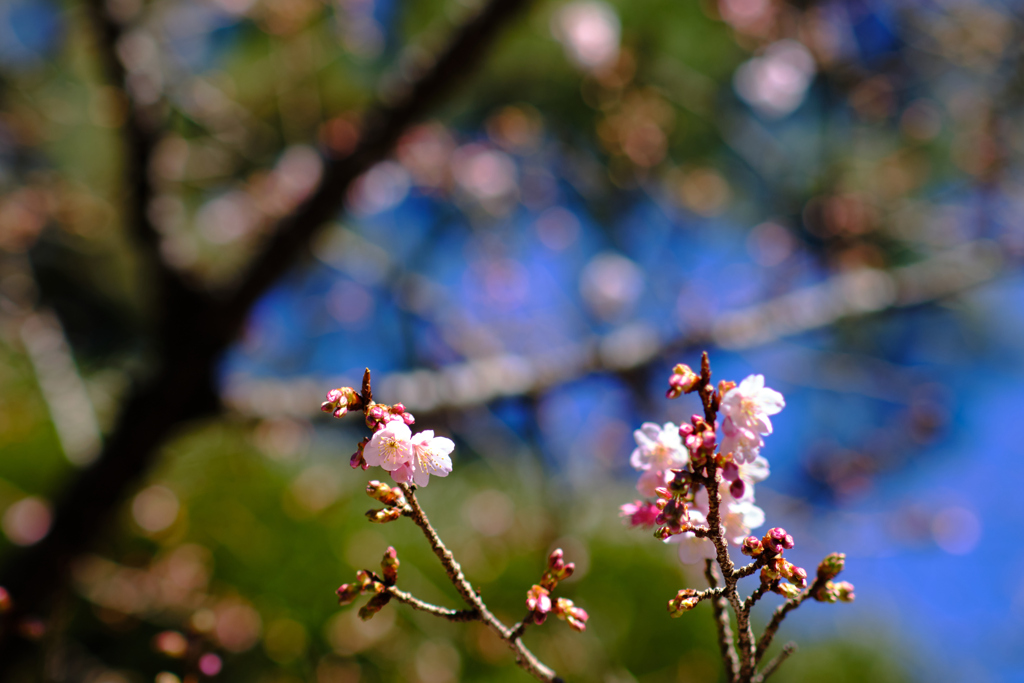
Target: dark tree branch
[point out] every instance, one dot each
(199, 327)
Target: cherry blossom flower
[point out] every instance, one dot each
(640, 513)
(658, 448)
(651, 480)
(430, 455)
(746, 409)
(390, 447)
(739, 517)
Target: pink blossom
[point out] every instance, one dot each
(639, 513)
(390, 447)
(746, 409)
(430, 455)
(651, 480)
(658, 448)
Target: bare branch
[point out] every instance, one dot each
(725, 638)
(525, 659)
(443, 612)
(773, 666)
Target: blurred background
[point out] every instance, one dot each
(828, 193)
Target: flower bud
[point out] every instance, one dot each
(752, 546)
(384, 515)
(725, 386)
(376, 604)
(798, 577)
(844, 589)
(575, 616)
(730, 470)
(768, 574)
(684, 601)
(538, 601)
(408, 419)
(683, 381)
(783, 566)
(737, 489)
(347, 592)
(831, 566)
(775, 540)
(787, 590)
(389, 566)
(680, 482)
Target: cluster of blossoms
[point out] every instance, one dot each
(409, 458)
(538, 598)
(669, 456)
(698, 481)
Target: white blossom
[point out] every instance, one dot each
(659, 448)
(390, 447)
(431, 455)
(746, 409)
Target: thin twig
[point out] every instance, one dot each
(780, 613)
(525, 659)
(773, 666)
(725, 638)
(754, 597)
(443, 612)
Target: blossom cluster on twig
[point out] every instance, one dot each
(411, 459)
(698, 493)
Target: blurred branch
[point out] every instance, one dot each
(637, 345)
(198, 326)
(139, 133)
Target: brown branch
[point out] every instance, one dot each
(197, 328)
(780, 613)
(773, 666)
(383, 125)
(725, 638)
(443, 612)
(525, 659)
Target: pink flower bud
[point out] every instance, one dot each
(752, 546)
(334, 395)
(845, 591)
(575, 616)
(799, 577)
(327, 406)
(340, 412)
(538, 600)
(685, 430)
(408, 419)
(398, 409)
